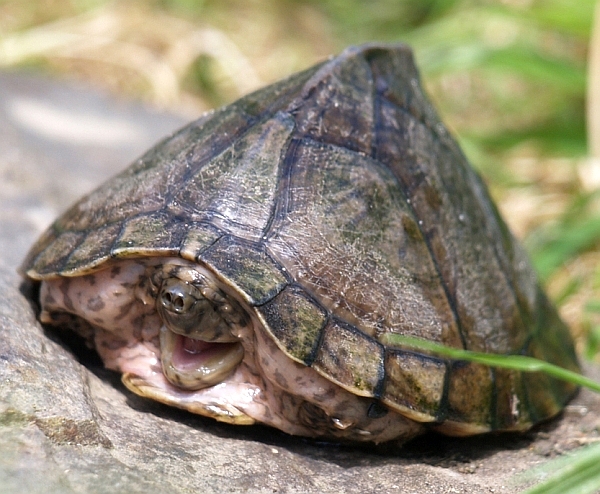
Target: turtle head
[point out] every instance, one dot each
(197, 340)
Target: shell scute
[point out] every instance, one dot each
(512, 410)
(548, 343)
(153, 234)
(397, 81)
(470, 395)
(235, 190)
(465, 239)
(338, 99)
(198, 237)
(247, 267)
(56, 254)
(91, 251)
(348, 236)
(414, 384)
(543, 395)
(296, 322)
(351, 359)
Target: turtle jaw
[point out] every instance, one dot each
(193, 364)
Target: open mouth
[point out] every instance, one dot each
(195, 364)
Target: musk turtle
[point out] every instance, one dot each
(251, 266)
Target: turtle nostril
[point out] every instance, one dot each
(177, 303)
(174, 301)
(167, 299)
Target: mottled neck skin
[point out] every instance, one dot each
(115, 309)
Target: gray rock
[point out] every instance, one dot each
(70, 427)
(58, 142)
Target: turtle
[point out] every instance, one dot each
(255, 265)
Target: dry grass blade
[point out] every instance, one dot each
(157, 47)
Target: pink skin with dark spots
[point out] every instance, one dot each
(119, 309)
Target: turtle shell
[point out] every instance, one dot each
(340, 209)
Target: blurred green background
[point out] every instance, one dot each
(513, 80)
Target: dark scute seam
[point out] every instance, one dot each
(442, 412)
(380, 386)
(405, 192)
(178, 239)
(82, 235)
(310, 359)
(494, 400)
(118, 237)
(328, 317)
(194, 167)
(281, 198)
(283, 178)
(447, 142)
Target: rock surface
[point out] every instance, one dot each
(69, 426)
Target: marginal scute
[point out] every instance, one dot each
(544, 393)
(470, 395)
(198, 238)
(32, 263)
(52, 259)
(149, 235)
(247, 267)
(414, 384)
(350, 358)
(512, 411)
(295, 321)
(91, 252)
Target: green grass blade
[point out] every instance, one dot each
(536, 66)
(578, 473)
(513, 362)
(572, 239)
(593, 306)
